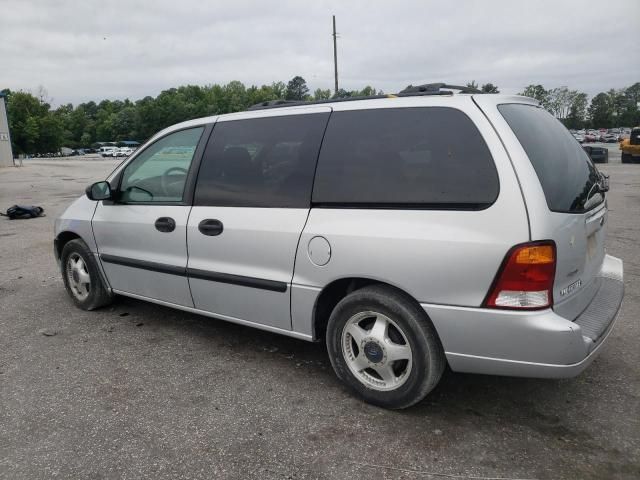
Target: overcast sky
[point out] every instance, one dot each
(83, 50)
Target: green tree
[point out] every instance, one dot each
(577, 111)
(85, 139)
(235, 95)
(105, 131)
(263, 94)
(51, 133)
(320, 94)
(342, 93)
(489, 88)
(29, 134)
(537, 92)
(619, 103)
(473, 84)
(297, 89)
(279, 90)
(62, 115)
(77, 122)
(559, 101)
(367, 91)
(633, 94)
(24, 113)
(601, 111)
(125, 124)
(631, 115)
(36, 127)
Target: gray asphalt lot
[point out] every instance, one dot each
(137, 390)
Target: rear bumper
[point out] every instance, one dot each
(530, 344)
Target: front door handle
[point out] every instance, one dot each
(165, 224)
(210, 227)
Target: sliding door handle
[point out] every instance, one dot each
(210, 227)
(165, 224)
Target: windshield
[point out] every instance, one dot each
(568, 177)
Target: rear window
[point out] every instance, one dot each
(566, 173)
(429, 157)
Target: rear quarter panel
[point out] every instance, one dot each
(569, 231)
(437, 256)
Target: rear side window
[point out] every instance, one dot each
(568, 177)
(429, 157)
(262, 162)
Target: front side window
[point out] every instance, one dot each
(427, 157)
(261, 162)
(159, 173)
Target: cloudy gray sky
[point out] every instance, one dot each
(93, 49)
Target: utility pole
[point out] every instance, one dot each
(335, 54)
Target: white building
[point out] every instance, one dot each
(6, 155)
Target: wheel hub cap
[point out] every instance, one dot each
(78, 277)
(373, 352)
(376, 351)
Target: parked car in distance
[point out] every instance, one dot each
(590, 137)
(597, 154)
(123, 152)
(408, 232)
(579, 138)
(609, 138)
(108, 151)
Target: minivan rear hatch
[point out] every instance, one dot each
(574, 191)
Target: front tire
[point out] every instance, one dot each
(384, 347)
(82, 278)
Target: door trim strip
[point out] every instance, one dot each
(144, 265)
(251, 282)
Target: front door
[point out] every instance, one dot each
(251, 202)
(141, 235)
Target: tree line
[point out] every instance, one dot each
(38, 128)
(614, 108)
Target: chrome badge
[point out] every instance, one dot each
(571, 288)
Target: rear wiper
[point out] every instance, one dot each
(598, 187)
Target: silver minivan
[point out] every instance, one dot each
(410, 231)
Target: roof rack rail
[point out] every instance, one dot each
(436, 87)
(276, 103)
(411, 91)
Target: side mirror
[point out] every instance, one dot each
(99, 191)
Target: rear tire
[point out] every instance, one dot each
(625, 158)
(384, 347)
(81, 276)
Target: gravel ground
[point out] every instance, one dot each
(141, 391)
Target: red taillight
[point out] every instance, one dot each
(525, 280)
